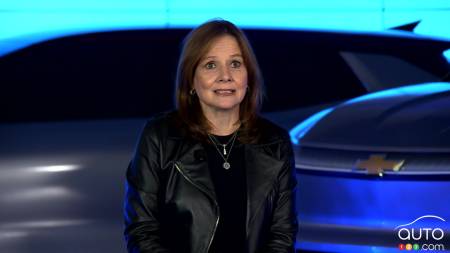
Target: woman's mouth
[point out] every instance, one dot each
(224, 92)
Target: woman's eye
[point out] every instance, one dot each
(210, 65)
(235, 64)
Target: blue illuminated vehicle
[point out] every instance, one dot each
(371, 164)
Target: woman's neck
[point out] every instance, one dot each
(224, 122)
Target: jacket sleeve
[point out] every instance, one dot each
(142, 227)
(284, 227)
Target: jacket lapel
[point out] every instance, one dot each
(261, 170)
(195, 168)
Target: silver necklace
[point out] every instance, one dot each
(226, 165)
(224, 146)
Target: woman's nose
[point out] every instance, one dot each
(225, 75)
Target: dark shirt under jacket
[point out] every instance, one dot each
(230, 188)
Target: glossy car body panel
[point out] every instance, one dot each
(344, 208)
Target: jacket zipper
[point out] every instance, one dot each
(215, 202)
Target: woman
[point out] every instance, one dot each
(212, 176)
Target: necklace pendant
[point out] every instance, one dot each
(224, 149)
(226, 165)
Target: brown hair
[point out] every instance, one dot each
(195, 46)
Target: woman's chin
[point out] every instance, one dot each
(226, 107)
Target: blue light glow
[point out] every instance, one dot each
(447, 55)
(433, 14)
(347, 248)
(301, 129)
(23, 22)
(412, 90)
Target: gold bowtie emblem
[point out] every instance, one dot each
(376, 165)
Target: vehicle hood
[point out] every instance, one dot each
(413, 119)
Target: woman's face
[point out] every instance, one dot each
(220, 78)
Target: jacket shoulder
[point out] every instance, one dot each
(161, 122)
(158, 128)
(271, 132)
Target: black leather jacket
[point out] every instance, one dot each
(170, 204)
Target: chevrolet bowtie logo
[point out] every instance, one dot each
(376, 165)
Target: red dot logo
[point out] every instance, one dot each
(401, 246)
